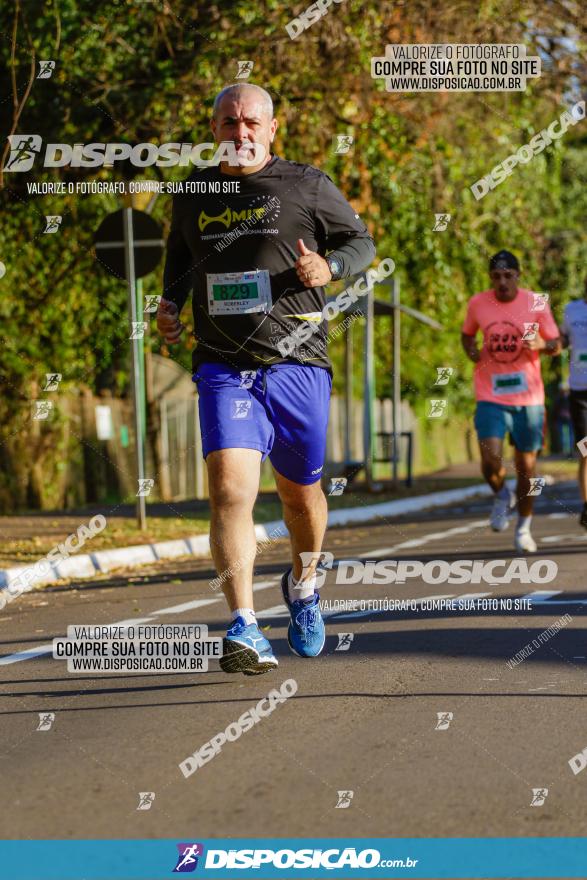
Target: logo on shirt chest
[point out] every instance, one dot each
(260, 209)
(503, 341)
(228, 218)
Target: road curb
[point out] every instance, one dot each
(103, 561)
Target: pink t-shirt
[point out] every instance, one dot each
(508, 373)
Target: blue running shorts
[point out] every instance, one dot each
(280, 410)
(525, 424)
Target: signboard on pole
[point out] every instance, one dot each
(148, 243)
(129, 244)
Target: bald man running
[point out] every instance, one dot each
(256, 246)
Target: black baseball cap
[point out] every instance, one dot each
(504, 260)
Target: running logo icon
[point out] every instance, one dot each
(138, 329)
(187, 860)
(245, 68)
(437, 409)
(23, 149)
(539, 795)
(247, 377)
(152, 301)
(538, 301)
(443, 375)
(42, 409)
(46, 720)
(52, 223)
(145, 487)
(344, 800)
(146, 799)
(343, 143)
(46, 68)
(241, 409)
(441, 222)
(324, 561)
(337, 485)
(530, 331)
(537, 484)
(344, 641)
(52, 381)
(444, 719)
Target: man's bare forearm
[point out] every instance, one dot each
(469, 344)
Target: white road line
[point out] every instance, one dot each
(567, 539)
(201, 603)
(274, 611)
(29, 654)
(354, 615)
(43, 650)
(545, 597)
(433, 536)
(541, 595)
(264, 585)
(187, 606)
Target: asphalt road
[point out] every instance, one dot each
(363, 720)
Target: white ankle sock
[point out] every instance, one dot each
(523, 524)
(247, 614)
(300, 589)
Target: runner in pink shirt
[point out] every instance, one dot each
(517, 325)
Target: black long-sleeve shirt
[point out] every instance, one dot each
(258, 228)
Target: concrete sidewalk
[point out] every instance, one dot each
(58, 524)
(20, 579)
(38, 570)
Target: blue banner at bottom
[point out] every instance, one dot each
(287, 858)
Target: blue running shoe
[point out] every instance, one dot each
(245, 649)
(306, 634)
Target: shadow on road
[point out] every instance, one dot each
(474, 643)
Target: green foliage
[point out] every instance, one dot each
(148, 71)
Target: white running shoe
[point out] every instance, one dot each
(524, 542)
(502, 511)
